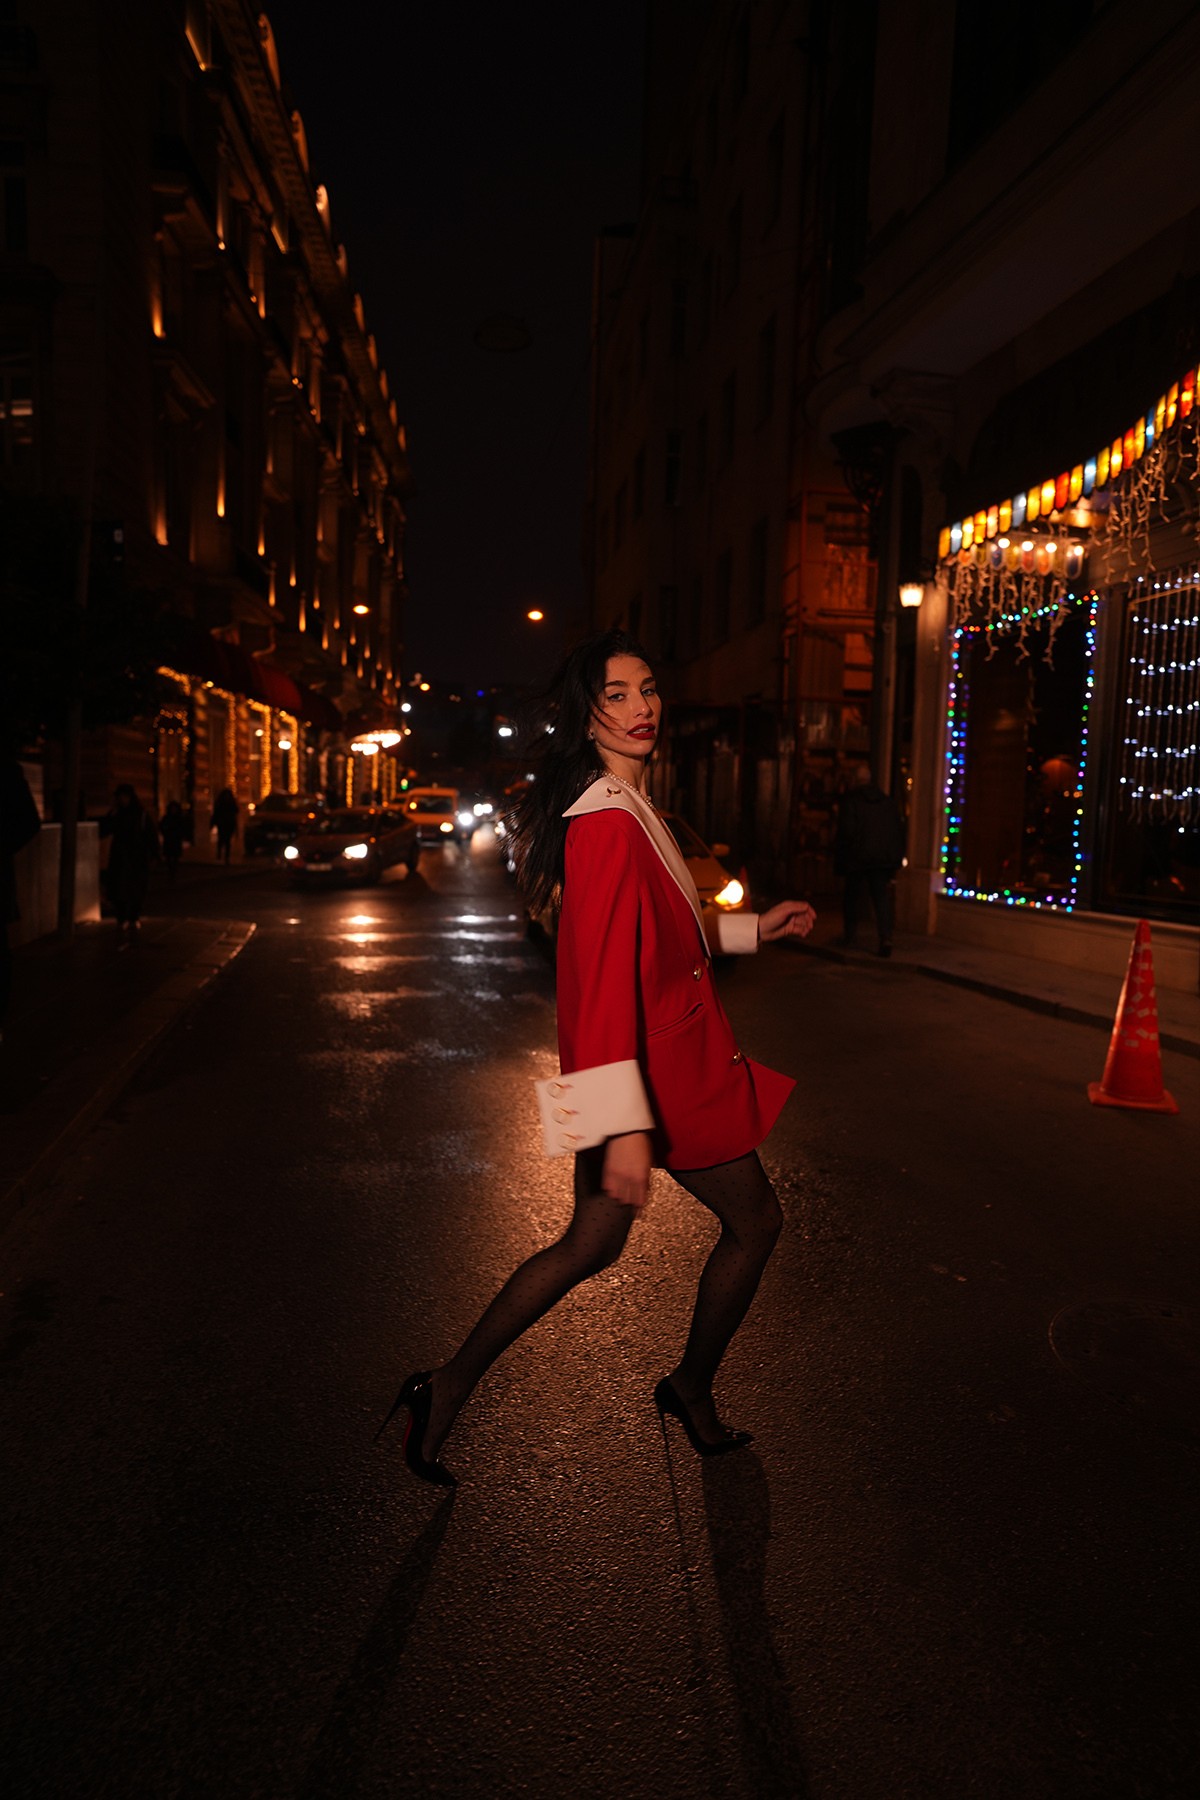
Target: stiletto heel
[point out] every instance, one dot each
(667, 1400)
(417, 1395)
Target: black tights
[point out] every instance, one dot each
(743, 1200)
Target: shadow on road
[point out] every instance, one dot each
(345, 1739)
(737, 1506)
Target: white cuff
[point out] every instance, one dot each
(731, 934)
(590, 1105)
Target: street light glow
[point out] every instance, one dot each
(536, 614)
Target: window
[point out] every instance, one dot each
(678, 319)
(733, 246)
(668, 608)
(722, 595)
(619, 505)
(765, 398)
(728, 420)
(639, 483)
(773, 187)
(741, 56)
(16, 407)
(701, 450)
(14, 206)
(673, 469)
(690, 635)
(706, 288)
(756, 609)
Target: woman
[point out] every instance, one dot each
(133, 847)
(224, 821)
(650, 1069)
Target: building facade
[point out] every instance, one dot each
(721, 530)
(1024, 326)
(185, 358)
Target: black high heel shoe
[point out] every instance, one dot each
(417, 1395)
(668, 1401)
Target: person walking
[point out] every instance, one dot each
(20, 823)
(651, 1071)
(868, 850)
(133, 847)
(225, 821)
(172, 832)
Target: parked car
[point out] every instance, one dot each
(439, 816)
(354, 845)
(279, 819)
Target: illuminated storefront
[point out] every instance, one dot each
(1072, 765)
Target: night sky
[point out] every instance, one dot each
(471, 154)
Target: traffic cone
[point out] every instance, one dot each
(1133, 1070)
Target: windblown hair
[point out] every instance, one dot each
(566, 762)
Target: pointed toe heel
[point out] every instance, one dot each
(417, 1395)
(667, 1400)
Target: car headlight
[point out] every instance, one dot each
(483, 809)
(356, 852)
(446, 826)
(466, 818)
(732, 894)
(290, 853)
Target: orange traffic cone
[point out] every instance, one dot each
(1133, 1070)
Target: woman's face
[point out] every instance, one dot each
(629, 709)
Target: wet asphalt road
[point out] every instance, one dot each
(950, 1566)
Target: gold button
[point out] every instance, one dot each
(737, 1056)
(698, 971)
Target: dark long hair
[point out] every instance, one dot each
(565, 763)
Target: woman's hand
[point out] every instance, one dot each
(626, 1177)
(790, 919)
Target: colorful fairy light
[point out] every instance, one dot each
(954, 790)
(1109, 462)
(1160, 752)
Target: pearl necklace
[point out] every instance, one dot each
(607, 775)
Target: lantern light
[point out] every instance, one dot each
(911, 593)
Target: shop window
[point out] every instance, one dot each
(16, 409)
(1018, 746)
(1152, 851)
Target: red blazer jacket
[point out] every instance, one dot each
(644, 1043)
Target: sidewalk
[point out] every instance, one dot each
(84, 1018)
(1045, 987)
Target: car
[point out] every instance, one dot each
(439, 816)
(357, 844)
(716, 887)
(719, 891)
(278, 819)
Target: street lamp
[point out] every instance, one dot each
(535, 614)
(911, 593)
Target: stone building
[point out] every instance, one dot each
(183, 354)
(1021, 334)
(721, 529)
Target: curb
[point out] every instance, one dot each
(993, 990)
(126, 1049)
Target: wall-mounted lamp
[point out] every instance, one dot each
(911, 593)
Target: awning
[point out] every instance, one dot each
(276, 688)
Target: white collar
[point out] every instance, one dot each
(608, 795)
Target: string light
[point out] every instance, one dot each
(1014, 625)
(1160, 753)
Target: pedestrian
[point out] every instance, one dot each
(651, 1072)
(868, 850)
(133, 847)
(172, 831)
(19, 825)
(225, 821)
